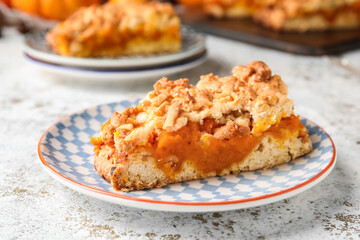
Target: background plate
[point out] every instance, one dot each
(118, 74)
(36, 46)
(66, 153)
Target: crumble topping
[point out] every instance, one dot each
(124, 16)
(248, 102)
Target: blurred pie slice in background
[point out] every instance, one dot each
(290, 15)
(118, 29)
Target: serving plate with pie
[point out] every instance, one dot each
(226, 143)
(117, 41)
(193, 43)
(67, 154)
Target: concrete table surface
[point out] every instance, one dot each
(35, 206)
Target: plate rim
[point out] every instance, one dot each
(190, 60)
(184, 206)
(117, 75)
(115, 63)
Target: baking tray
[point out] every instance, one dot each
(246, 30)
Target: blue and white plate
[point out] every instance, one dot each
(66, 153)
(36, 47)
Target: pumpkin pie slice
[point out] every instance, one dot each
(118, 29)
(181, 132)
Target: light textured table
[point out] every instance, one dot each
(35, 206)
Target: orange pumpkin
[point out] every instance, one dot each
(52, 9)
(29, 6)
(6, 2)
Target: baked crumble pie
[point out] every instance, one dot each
(181, 132)
(310, 15)
(290, 15)
(118, 29)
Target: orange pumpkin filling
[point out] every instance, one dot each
(108, 42)
(209, 154)
(203, 151)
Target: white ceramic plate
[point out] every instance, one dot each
(116, 74)
(36, 47)
(66, 153)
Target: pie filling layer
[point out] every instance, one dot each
(113, 43)
(195, 144)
